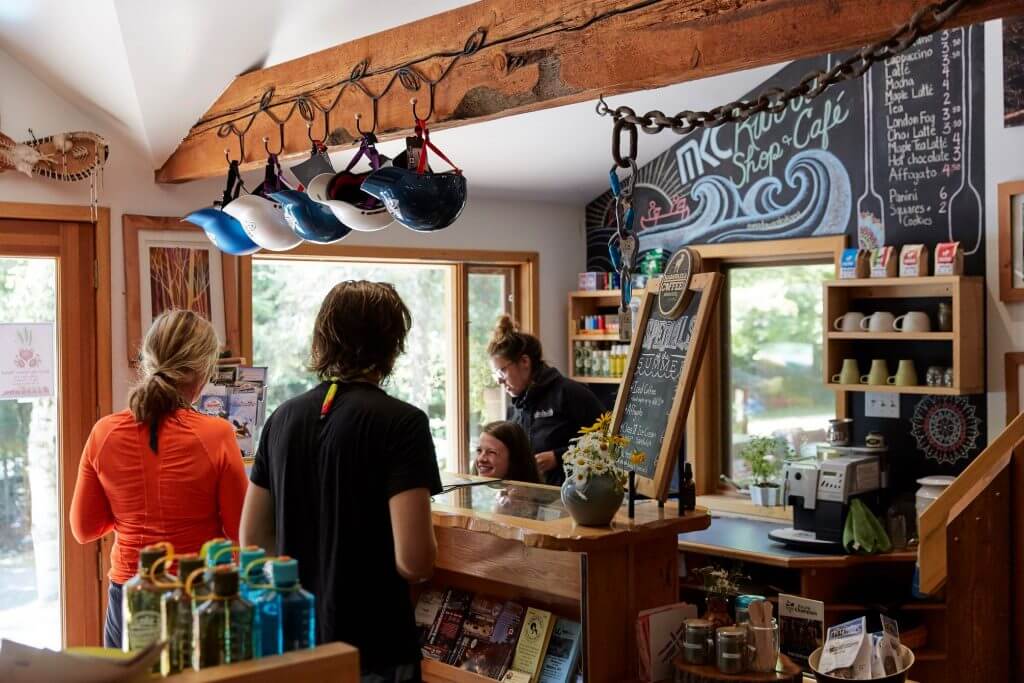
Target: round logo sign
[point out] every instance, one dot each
(674, 290)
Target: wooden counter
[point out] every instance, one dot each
(336, 662)
(517, 542)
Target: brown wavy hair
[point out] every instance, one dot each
(510, 343)
(180, 348)
(359, 332)
(522, 466)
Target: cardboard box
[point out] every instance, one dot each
(883, 262)
(914, 260)
(853, 264)
(588, 282)
(949, 258)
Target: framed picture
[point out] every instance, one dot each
(1014, 367)
(170, 264)
(1011, 241)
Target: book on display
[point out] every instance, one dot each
(563, 653)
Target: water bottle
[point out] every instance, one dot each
(223, 626)
(287, 613)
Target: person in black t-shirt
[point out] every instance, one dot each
(342, 482)
(550, 407)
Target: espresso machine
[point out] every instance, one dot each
(820, 493)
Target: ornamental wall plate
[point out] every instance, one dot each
(946, 428)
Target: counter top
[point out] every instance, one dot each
(533, 514)
(747, 539)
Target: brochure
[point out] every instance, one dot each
(801, 626)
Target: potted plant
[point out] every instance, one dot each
(761, 455)
(594, 483)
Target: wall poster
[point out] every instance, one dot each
(27, 360)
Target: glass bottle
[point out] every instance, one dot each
(176, 619)
(223, 626)
(287, 613)
(251, 574)
(140, 604)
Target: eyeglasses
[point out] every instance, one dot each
(501, 374)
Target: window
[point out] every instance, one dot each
(773, 358)
(445, 374)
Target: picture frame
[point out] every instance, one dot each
(157, 250)
(705, 289)
(1011, 241)
(1013, 362)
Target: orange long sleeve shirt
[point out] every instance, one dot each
(189, 491)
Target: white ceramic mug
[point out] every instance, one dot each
(914, 321)
(878, 322)
(848, 322)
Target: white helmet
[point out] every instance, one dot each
(264, 222)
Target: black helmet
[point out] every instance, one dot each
(419, 199)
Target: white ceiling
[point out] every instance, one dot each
(150, 69)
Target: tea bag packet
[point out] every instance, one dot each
(847, 651)
(885, 657)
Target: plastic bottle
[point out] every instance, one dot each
(287, 613)
(253, 576)
(140, 605)
(216, 552)
(176, 619)
(223, 627)
(585, 361)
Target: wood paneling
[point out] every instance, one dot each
(334, 662)
(538, 54)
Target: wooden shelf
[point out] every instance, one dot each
(893, 389)
(594, 336)
(966, 355)
(893, 336)
(599, 294)
(929, 655)
(596, 380)
(439, 672)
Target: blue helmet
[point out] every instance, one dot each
(420, 201)
(309, 219)
(224, 231)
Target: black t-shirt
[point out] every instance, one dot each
(331, 481)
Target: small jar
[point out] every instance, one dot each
(839, 431)
(732, 649)
(698, 643)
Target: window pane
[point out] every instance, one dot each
(488, 298)
(775, 356)
(30, 511)
(287, 296)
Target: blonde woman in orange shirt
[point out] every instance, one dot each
(160, 471)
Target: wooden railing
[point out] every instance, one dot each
(971, 538)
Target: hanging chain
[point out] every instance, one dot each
(925, 21)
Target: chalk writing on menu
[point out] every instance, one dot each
(664, 345)
(896, 157)
(928, 130)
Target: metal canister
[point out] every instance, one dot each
(732, 649)
(698, 643)
(839, 431)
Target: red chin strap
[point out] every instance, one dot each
(424, 133)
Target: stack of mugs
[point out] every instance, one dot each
(882, 321)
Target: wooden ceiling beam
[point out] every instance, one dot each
(536, 54)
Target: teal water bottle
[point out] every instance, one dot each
(287, 613)
(223, 626)
(251, 574)
(216, 551)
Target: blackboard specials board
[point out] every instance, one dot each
(655, 393)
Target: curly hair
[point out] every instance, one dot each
(359, 332)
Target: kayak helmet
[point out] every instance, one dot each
(310, 220)
(222, 228)
(342, 194)
(418, 198)
(263, 218)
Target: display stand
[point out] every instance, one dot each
(517, 542)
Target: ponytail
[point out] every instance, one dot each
(509, 343)
(180, 349)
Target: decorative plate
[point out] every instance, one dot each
(946, 428)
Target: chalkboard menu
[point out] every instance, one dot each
(655, 394)
(896, 157)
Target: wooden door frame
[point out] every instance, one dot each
(526, 306)
(82, 573)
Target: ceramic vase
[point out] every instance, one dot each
(595, 502)
(765, 495)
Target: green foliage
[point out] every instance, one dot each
(762, 456)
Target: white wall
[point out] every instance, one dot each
(1004, 161)
(553, 230)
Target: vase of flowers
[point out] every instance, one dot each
(762, 455)
(594, 483)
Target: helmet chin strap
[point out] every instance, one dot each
(423, 133)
